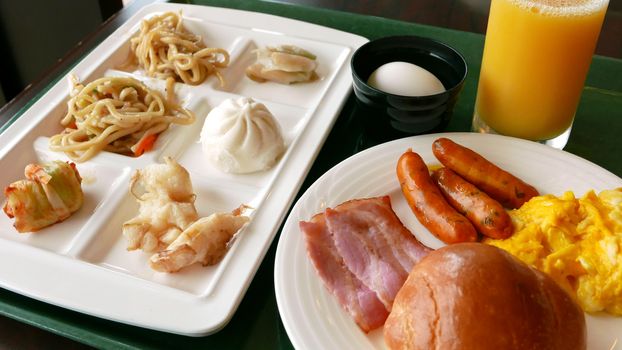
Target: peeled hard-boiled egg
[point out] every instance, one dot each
(405, 79)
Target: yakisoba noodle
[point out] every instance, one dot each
(115, 114)
(165, 50)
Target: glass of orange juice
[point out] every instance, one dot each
(536, 58)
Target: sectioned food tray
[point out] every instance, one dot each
(82, 263)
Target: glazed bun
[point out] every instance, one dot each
(475, 296)
(242, 136)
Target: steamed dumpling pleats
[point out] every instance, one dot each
(242, 136)
(290, 58)
(285, 64)
(50, 193)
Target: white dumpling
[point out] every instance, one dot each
(242, 136)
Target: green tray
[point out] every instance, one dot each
(256, 324)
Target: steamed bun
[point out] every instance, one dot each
(242, 136)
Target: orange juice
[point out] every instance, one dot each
(536, 57)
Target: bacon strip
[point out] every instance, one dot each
(363, 253)
(374, 244)
(357, 299)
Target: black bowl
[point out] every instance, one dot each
(408, 114)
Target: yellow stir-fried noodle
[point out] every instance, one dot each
(115, 114)
(166, 50)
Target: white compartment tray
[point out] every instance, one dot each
(82, 264)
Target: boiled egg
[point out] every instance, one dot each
(405, 79)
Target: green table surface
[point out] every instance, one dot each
(256, 324)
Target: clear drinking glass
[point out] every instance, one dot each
(536, 58)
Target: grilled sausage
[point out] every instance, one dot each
(504, 187)
(485, 213)
(428, 204)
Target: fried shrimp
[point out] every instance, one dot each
(168, 224)
(166, 199)
(205, 241)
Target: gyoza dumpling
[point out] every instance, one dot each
(285, 64)
(242, 136)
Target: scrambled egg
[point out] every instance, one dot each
(578, 242)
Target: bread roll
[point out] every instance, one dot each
(475, 296)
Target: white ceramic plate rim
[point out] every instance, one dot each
(299, 311)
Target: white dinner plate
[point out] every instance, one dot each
(312, 316)
(82, 263)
